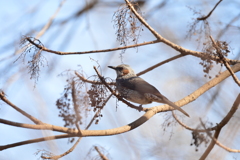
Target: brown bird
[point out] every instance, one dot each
(137, 90)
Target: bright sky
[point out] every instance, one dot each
(93, 31)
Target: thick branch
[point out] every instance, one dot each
(79, 139)
(149, 113)
(171, 44)
(193, 96)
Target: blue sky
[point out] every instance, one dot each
(92, 31)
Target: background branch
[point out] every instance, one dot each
(225, 120)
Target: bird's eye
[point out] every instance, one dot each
(120, 68)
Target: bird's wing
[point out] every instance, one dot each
(140, 85)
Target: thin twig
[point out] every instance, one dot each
(159, 64)
(76, 109)
(225, 62)
(87, 52)
(192, 129)
(209, 14)
(138, 74)
(49, 23)
(92, 82)
(65, 153)
(174, 46)
(229, 24)
(103, 157)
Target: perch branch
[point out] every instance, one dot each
(149, 113)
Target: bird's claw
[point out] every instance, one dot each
(140, 108)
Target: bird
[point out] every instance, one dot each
(137, 90)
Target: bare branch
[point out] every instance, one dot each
(87, 52)
(149, 113)
(103, 157)
(219, 127)
(138, 74)
(228, 26)
(209, 14)
(193, 96)
(49, 23)
(211, 145)
(225, 62)
(35, 141)
(79, 139)
(192, 129)
(3, 98)
(173, 45)
(89, 81)
(159, 64)
(65, 153)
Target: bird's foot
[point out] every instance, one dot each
(140, 108)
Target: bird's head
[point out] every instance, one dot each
(123, 70)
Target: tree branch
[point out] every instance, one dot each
(3, 98)
(138, 74)
(173, 45)
(225, 62)
(209, 14)
(49, 23)
(89, 81)
(219, 127)
(149, 113)
(103, 157)
(211, 145)
(79, 139)
(87, 52)
(159, 64)
(35, 141)
(192, 129)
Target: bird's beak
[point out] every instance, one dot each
(112, 67)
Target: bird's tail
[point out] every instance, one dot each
(165, 100)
